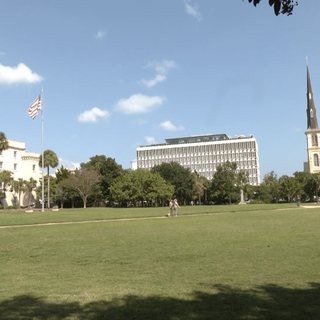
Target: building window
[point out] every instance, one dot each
(14, 154)
(314, 140)
(33, 167)
(1, 165)
(15, 167)
(0, 152)
(316, 160)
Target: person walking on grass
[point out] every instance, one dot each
(176, 206)
(298, 200)
(170, 208)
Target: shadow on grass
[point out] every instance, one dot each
(267, 302)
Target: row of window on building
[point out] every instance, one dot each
(205, 157)
(15, 167)
(192, 150)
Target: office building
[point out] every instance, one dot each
(203, 153)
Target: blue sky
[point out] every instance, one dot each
(119, 74)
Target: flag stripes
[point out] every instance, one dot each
(34, 107)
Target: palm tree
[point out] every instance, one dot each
(30, 186)
(18, 186)
(4, 144)
(50, 159)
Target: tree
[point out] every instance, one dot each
(141, 185)
(49, 193)
(63, 191)
(314, 182)
(50, 159)
(289, 187)
(279, 6)
(304, 187)
(108, 169)
(4, 144)
(30, 186)
(5, 181)
(206, 185)
(271, 181)
(241, 181)
(18, 186)
(84, 181)
(179, 177)
(224, 182)
(198, 189)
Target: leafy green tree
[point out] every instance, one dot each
(271, 180)
(49, 193)
(85, 182)
(314, 183)
(64, 193)
(198, 189)
(262, 192)
(206, 185)
(279, 6)
(289, 187)
(50, 159)
(30, 185)
(224, 182)
(141, 185)
(108, 170)
(4, 143)
(179, 177)
(306, 189)
(19, 186)
(5, 181)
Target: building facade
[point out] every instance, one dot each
(22, 164)
(204, 153)
(312, 132)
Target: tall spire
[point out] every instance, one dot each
(311, 110)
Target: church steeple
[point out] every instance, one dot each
(311, 110)
(312, 133)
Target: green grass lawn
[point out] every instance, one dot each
(248, 262)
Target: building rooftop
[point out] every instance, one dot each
(199, 138)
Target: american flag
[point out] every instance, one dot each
(34, 107)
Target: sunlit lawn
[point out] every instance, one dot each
(253, 263)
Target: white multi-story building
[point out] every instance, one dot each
(22, 164)
(204, 153)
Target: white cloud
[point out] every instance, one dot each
(93, 115)
(100, 34)
(153, 82)
(168, 126)
(19, 74)
(193, 10)
(162, 67)
(150, 140)
(2, 53)
(138, 103)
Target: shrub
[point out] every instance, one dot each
(10, 207)
(1, 207)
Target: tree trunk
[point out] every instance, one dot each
(85, 202)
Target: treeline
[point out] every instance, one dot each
(103, 182)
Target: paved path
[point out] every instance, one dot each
(130, 219)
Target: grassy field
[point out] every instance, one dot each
(228, 262)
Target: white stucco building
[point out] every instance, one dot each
(204, 153)
(23, 165)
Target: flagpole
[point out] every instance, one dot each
(42, 148)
